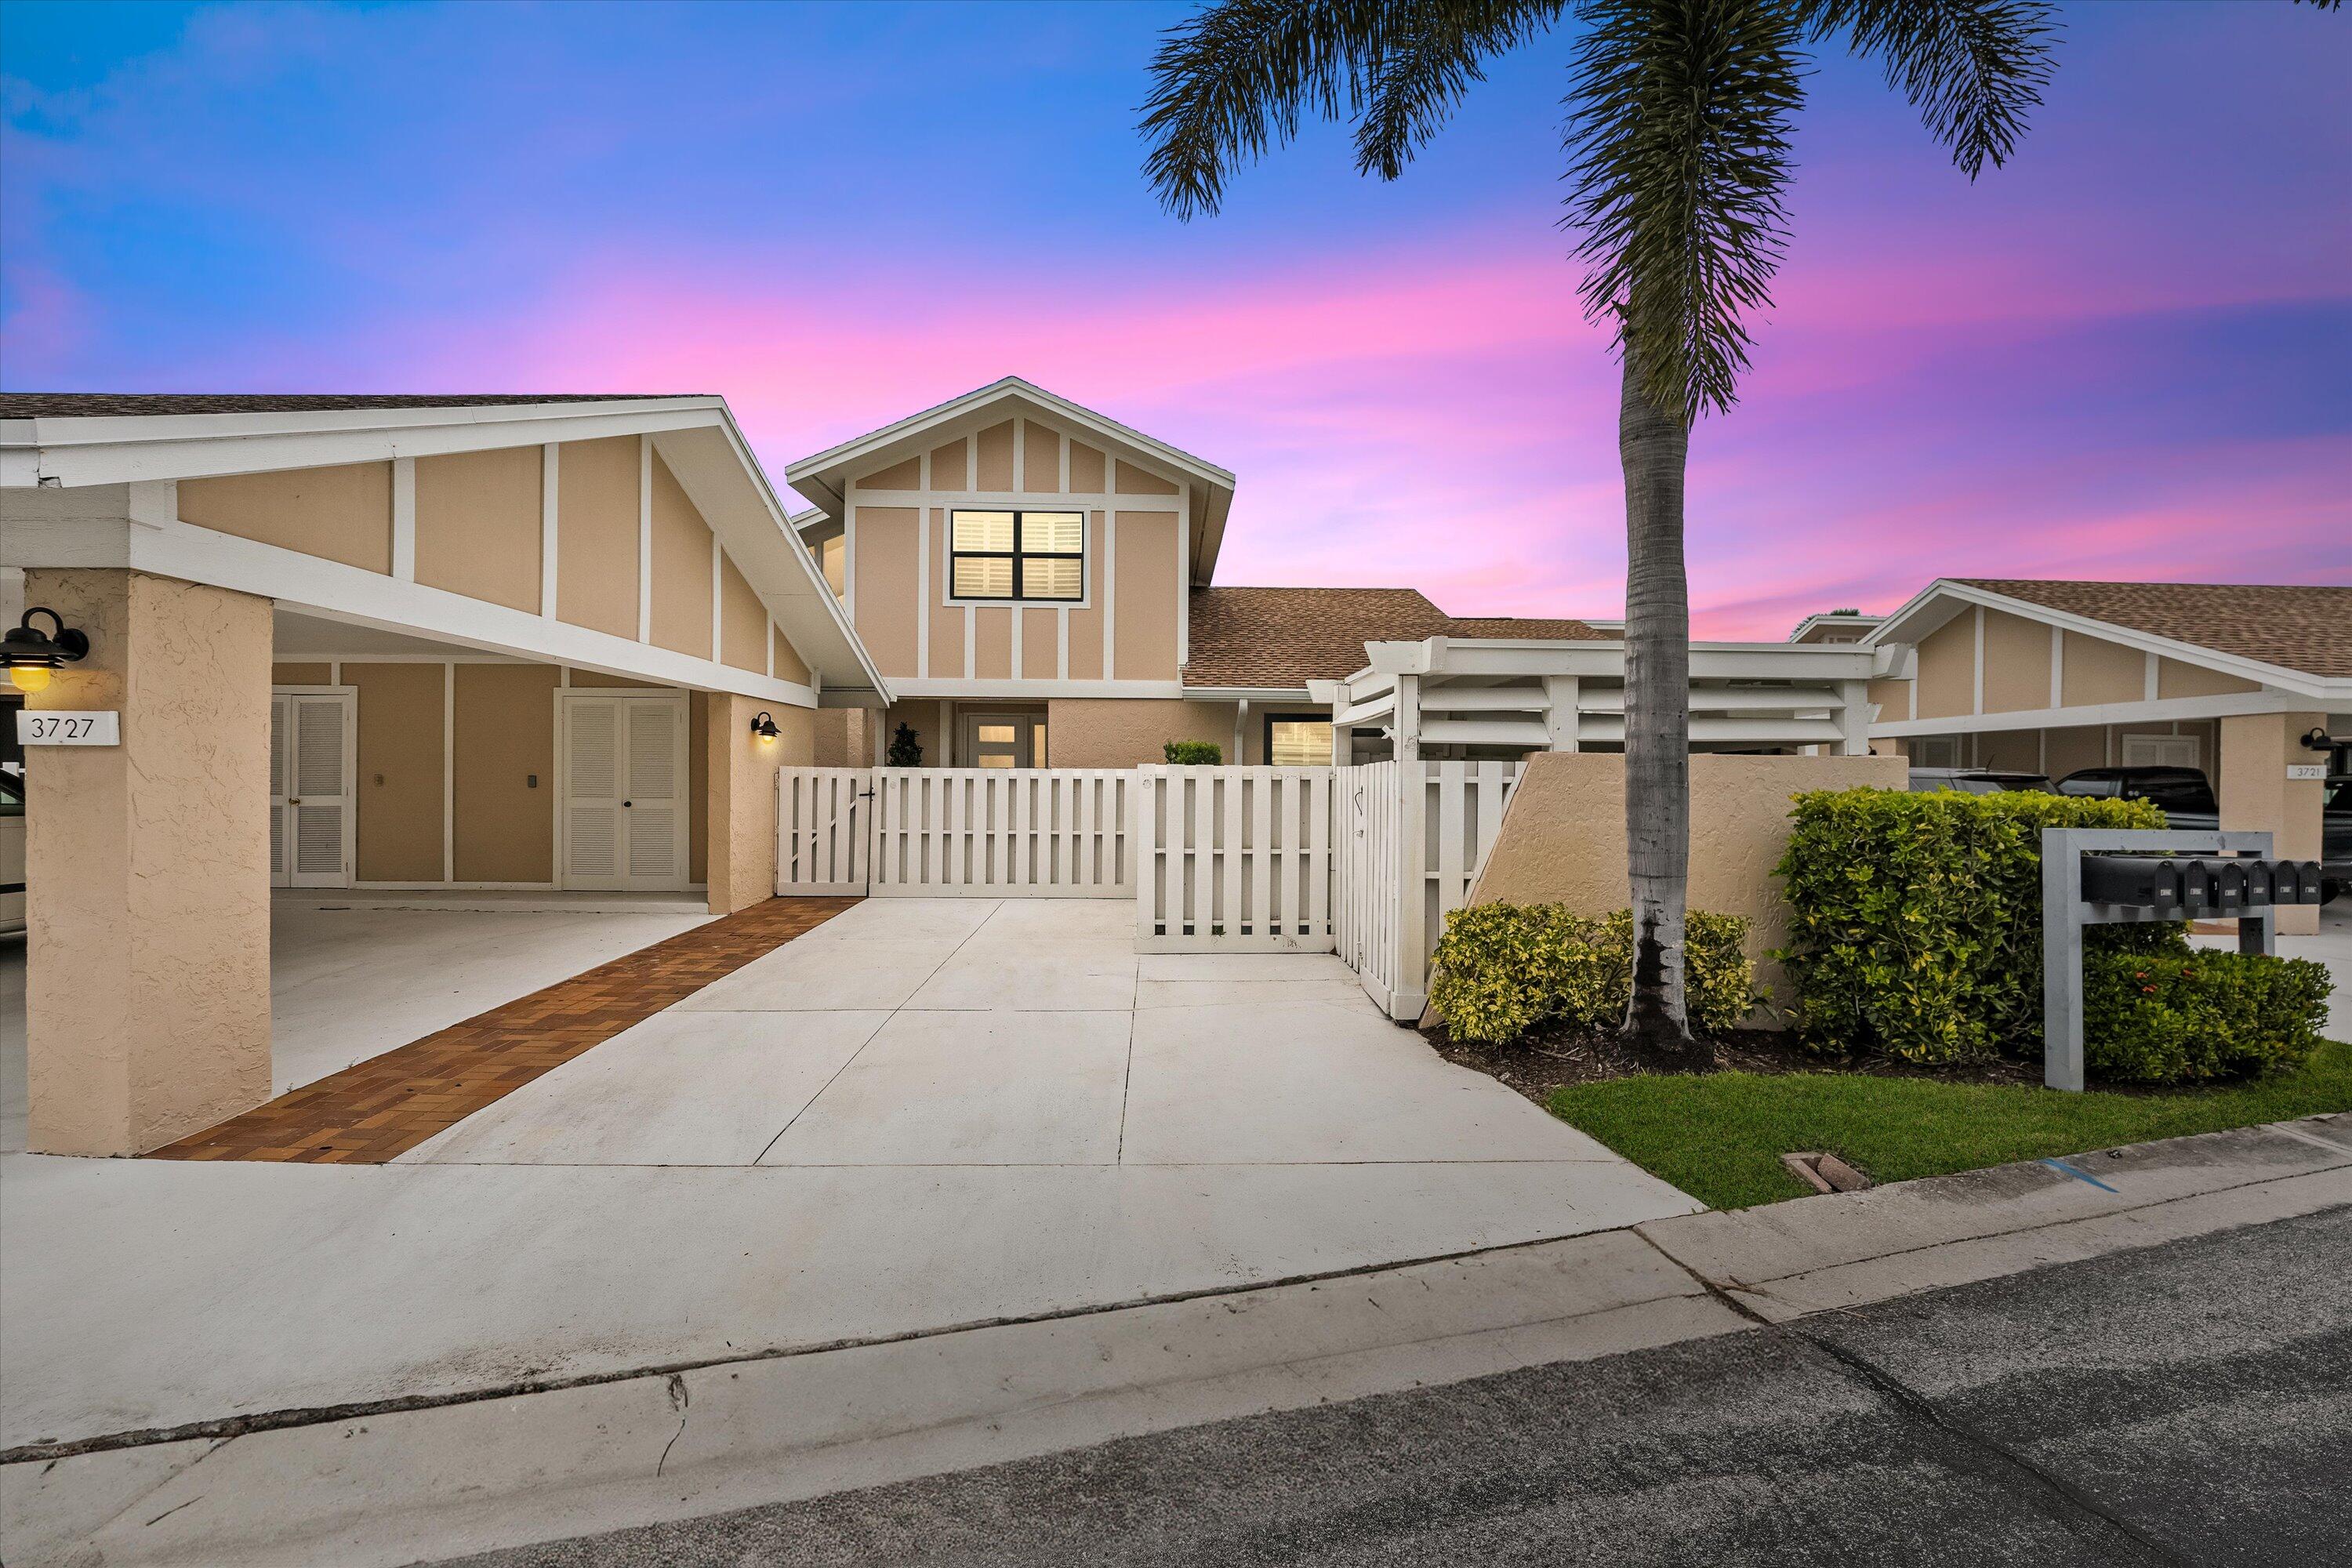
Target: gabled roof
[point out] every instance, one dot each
(101, 405)
(2304, 626)
(1281, 638)
(824, 476)
(2294, 635)
(69, 440)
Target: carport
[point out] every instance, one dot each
(375, 645)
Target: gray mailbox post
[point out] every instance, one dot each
(2119, 883)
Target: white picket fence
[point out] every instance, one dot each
(1037, 832)
(1232, 860)
(1365, 861)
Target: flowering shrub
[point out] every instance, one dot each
(2183, 1014)
(1501, 969)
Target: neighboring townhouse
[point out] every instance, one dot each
(1034, 581)
(376, 642)
(2245, 682)
(1836, 627)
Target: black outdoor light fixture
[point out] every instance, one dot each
(29, 656)
(2317, 739)
(765, 727)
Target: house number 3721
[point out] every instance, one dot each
(61, 728)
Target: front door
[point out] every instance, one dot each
(624, 790)
(311, 813)
(998, 741)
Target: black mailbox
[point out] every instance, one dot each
(2191, 888)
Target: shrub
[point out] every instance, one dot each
(1194, 753)
(1915, 918)
(906, 749)
(2190, 1015)
(1501, 969)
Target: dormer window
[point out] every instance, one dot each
(1017, 555)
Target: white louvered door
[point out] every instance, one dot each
(625, 801)
(310, 804)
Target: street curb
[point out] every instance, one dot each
(448, 1479)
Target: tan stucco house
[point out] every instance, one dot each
(1035, 581)
(379, 642)
(2051, 677)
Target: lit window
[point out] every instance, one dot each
(1017, 555)
(1293, 742)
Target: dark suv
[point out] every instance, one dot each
(2185, 793)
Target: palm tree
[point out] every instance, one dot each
(1679, 116)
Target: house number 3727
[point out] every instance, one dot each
(61, 728)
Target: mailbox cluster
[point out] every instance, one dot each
(2201, 887)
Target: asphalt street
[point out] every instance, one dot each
(2190, 1402)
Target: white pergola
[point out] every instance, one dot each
(1447, 695)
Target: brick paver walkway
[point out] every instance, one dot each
(373, 1109)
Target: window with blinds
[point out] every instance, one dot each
(1038, 556)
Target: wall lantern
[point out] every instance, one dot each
(765, 727)
(28, 656)
(2318, 740)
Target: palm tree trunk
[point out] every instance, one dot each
(1654, 448)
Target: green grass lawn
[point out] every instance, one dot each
(1721, 1137)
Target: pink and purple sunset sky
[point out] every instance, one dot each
(2128, 354)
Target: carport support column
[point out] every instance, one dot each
(740, 868)
(2256, 794)
(147, 1004)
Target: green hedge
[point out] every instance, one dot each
(1501, 969)
(2196, 1014)
(1916, 931)
(1192, 753)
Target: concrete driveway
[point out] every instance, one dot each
(922, 1115)
(955, 1032)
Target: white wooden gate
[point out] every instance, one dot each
(1412, 839)
(823, 820)
(944, 833)
(1233, 858)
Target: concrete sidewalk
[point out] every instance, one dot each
(923, 1115)
(392, 1487)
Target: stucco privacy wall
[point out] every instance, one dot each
(148, 864)
(1122, 731)
(1129, 626)
(742, 770)
(1563, 836)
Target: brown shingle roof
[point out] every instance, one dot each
(2304, 626)
(1287, 636)
(85, 405)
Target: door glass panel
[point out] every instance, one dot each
(997, 759)
(996, 734)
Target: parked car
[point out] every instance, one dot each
(1976, 781)
(11, 852)
(2185, 793)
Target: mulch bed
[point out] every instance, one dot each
(1549, 1060)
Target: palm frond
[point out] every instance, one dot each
(1678, 135)
(1430, 54)
(1231, 80)
(1973, 68)
(1234, 80)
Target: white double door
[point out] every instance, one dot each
(312, 814)
(624, 790)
